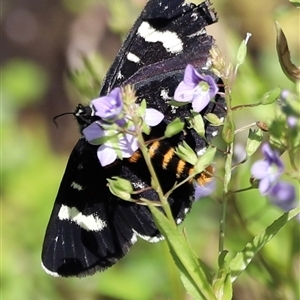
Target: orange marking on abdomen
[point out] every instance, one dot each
(180, 167)
(205, 176)
(152, 149)
(167, 157)
(135, 157)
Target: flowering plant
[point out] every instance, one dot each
(114, 123)
(120, 132)
(196, 89)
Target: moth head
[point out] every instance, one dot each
(84, 115)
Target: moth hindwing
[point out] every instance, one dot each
(90, 229)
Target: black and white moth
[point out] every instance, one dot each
(90, 229)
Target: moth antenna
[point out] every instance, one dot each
(60, 115)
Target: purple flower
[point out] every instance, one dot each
(109, 108)
(285, 94)
(107, 153)
(292, 121)
(196, 89)
(283, 195)
(202, 191)
(267, 170)
(93, 132)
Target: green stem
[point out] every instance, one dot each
(164, 202)
(241, 190)
(222, 224)
(245, 106)
(225, 195)
(245, 127)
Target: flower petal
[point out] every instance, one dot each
(260, 169)
(93, 132)
(191, 77)
(184, 93)
(200, 101)
(196, 88)
(292, 121)
(265, 185)
(213, 88)
(283, 195)
(128, 145)
(205, 190)
(267, 170)
(106, 154)
(110, 106)
(272, 157)
(153, 117)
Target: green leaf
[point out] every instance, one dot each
(146, 128)
(140, 111)
(228, 169)
(190, 288)
(228, 129)
(223, 286)
(186, 153)
(120, 187)
(174, 127)
(222, 259)
(254, 140)
(296, 3)
(242, 51)
(270, 96)
(227, 288)
(228, 293)
(198, 125)
(183, 256)
(242, 259)
(175, 103)
(289, 69)
(205, 160)
(213, 119)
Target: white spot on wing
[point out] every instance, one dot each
(164, 94)
(170, 40)
(132, 57)
(76, 186)
(186, 210)
(201, 151)
(197, 33)
(215, 133)
(173, 109)
(138, 185)
(194, 16)
(150, 239)
(179, 221)
(133, 239)
(87, 222)
(119, 75)
(49, 272)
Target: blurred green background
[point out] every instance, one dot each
(42, 41)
